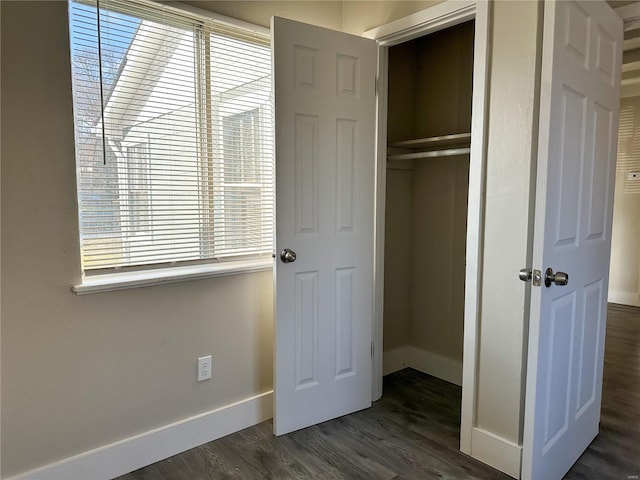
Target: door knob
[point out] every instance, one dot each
(524, 274)
(559, 278)
(288, 256)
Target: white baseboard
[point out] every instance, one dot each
(394, 360)
(496, 451)
(624, 298)
(436, 365)
(427, 362)
(141, 450)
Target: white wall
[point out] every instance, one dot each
(81, 372)
(360, 16)
(624, 279)
(510, 171)
(259, 12)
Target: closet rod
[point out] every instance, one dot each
(430, 154)
(457, 139)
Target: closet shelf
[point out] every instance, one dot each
(458, 139)
(443, 146)
(429, 154)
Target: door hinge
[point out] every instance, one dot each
(371, 349)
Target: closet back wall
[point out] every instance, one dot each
(445, 81)
(440, 189)
(430, 82)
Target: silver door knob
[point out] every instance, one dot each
(559, 278)
(524, 274)
(288, 256)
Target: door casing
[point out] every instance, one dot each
(439, 17)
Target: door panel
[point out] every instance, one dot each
(572, 233)
(324, 90)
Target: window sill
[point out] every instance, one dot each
(123, 281)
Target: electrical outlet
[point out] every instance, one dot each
(204, 368)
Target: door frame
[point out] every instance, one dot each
(439, 17)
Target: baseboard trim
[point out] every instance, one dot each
(424, 361)
(436, 365)
(394, 360)
(135, 452)
(496, 451)
(625, 298)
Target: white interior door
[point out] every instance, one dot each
(574, 198)
(325, 158)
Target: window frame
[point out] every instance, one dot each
(119, 278)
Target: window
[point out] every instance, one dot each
(242, 192)
(628, 160)
(139, 187)
(173, 125)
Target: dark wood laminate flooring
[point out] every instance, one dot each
(413, 433)
(615, 452)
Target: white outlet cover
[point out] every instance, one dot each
(204, 368)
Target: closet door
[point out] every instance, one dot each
(324, 89)
(572, 233)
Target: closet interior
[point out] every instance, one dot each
(428, 133)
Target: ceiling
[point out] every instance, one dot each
(620, 3)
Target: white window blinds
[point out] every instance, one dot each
(173, 125)
(628, 160)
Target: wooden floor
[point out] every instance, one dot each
(412, 433)
(615, 453)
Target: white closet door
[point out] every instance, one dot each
(325, 141)
(576, 169)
